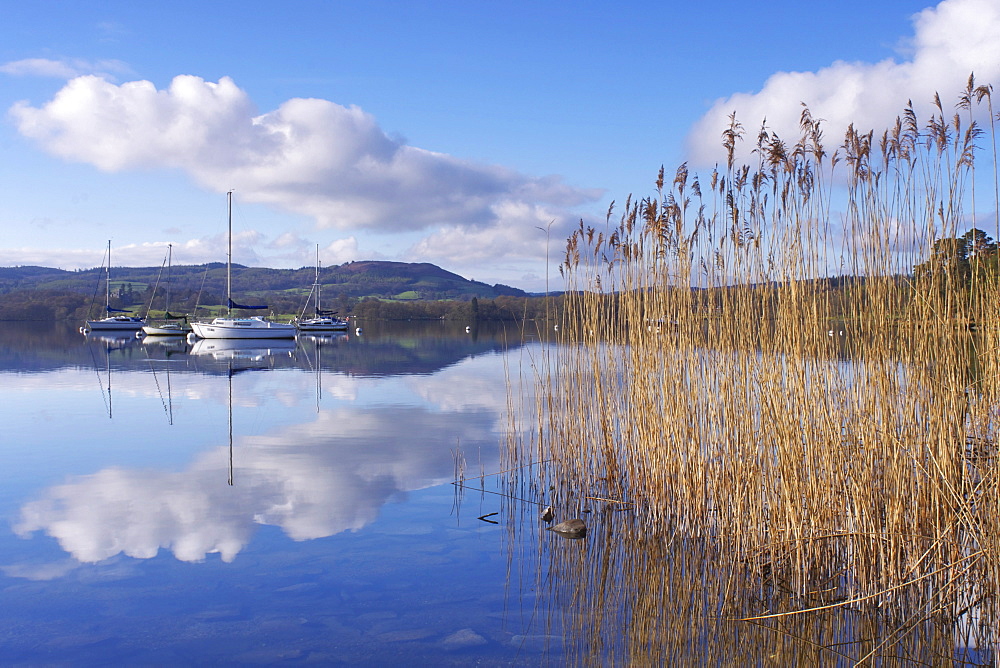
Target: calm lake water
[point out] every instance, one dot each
(273, 503)
(264, 502)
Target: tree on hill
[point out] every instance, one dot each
(957, 257)
(958, 272)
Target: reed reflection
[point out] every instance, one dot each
(624, 596)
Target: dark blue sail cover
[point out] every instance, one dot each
(118, 310)
(233, 304)
(321, 311)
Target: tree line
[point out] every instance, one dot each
(47, 305)
(971, 260)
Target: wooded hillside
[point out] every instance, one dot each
(41, 293)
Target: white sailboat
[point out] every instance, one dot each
(175, 325)
(116, 318)
(229, 327)
(322, 321)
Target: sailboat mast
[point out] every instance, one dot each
(316, 284)
(229, 256)
(170, 259)
(107, 282)
(230, 423)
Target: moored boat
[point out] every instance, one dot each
(254, 327)
(167, 329)
(322, 323)
(230, 327)
(173, 325)
(322, 320)
(116, 318)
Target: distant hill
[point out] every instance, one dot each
(384, 280)
(408, 280)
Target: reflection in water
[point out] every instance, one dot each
(319, 341)
(312, 478)
(386, 349)
(624, 596)
(168, 400)
(105, 395)
(337, 544)
(112, 340)
(167, 345)
(107, 342)
(248, 352)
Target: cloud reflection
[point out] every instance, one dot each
(312, 480)
(42, 571)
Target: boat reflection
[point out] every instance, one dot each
(318, 341)
(243, 352)
(117, 339)
(321, 338)
(108, 342)
(169, 345)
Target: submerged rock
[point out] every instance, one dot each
(463, 639)
(574, 528)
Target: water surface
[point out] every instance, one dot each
(260, 503)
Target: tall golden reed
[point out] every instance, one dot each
(755, 366)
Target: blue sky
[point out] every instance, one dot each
(445, 132)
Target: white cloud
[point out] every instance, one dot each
(136, 126)
(288, 240)
(309, 156)
(63, 69)
(950, 41)
(341, 251)
(523, 234)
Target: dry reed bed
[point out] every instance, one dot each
(799, 425)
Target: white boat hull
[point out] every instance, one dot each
(322, 325)
(243, 328)
(116, 323)
(166, 330)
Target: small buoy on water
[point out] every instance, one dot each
(468, 329)
(574, 528)
(548, 514)
(358, 331)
